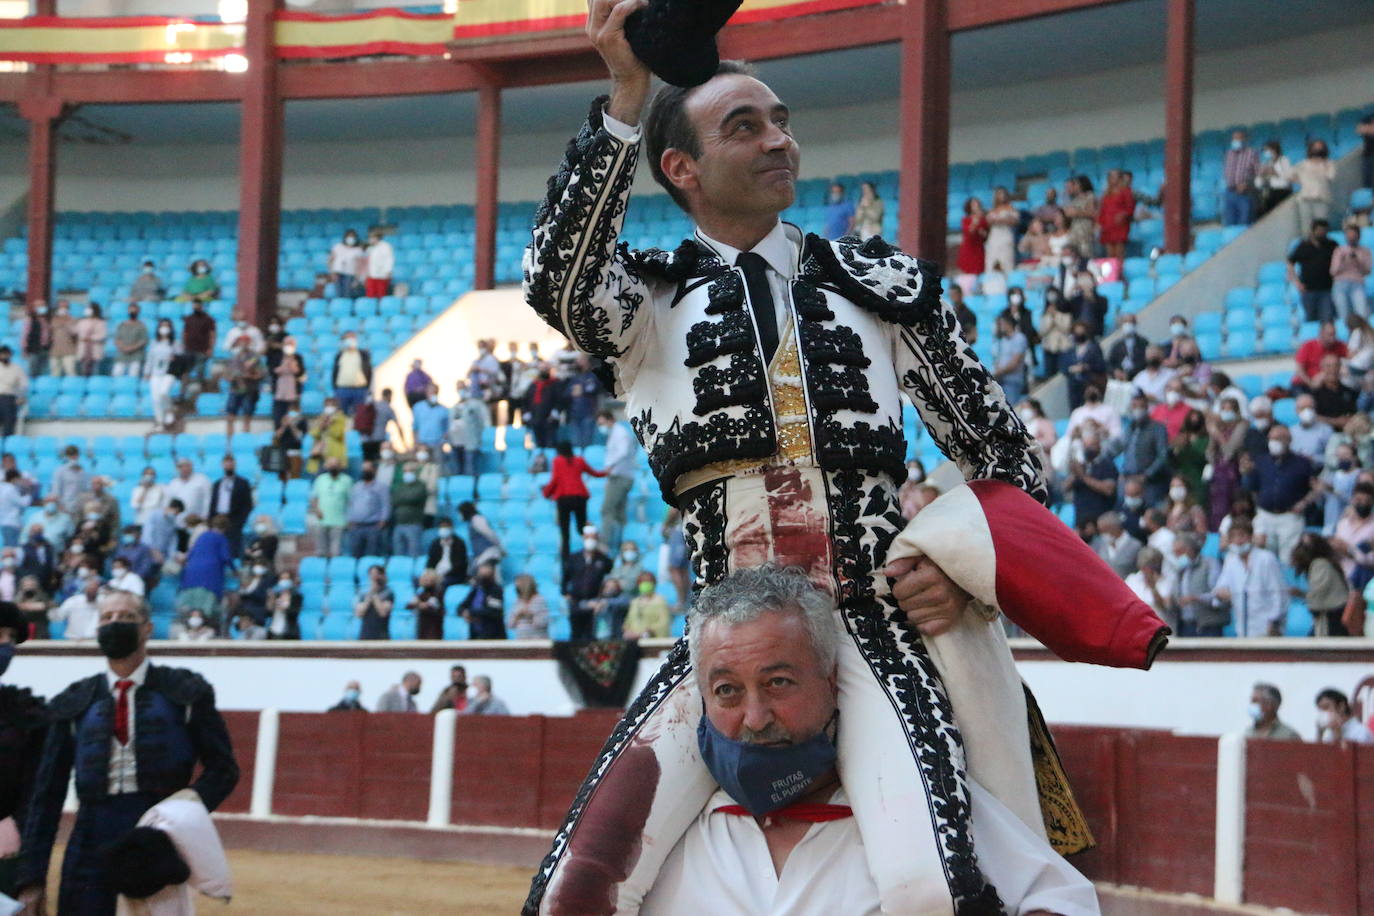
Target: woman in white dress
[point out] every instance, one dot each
(1000, 248)
(157, 370)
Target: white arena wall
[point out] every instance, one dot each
(1198, 687)
(1327, 72)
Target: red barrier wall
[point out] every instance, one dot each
(569, 749)
(1364, 824)
(243, 734)
(496, 769)
(1301, 826)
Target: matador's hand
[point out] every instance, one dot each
(928, 597)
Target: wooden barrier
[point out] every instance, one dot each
(243, 733)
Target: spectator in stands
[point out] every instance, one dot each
(1350, 268)
(455, 695)
(1115, 213)
(1010, 351)
(1265, 700)
(417, 384)
(1226, 436)
(246, 628)
(34, 605)
(373, 606)
(620, 477)
(191, 488)
(208, 558)
(448, 555)
(408, 497)
(972, 253)
(255, 590)
(1084, 366)
(1309, 269)
(1144, 450)
(1192, 371)
(1314, 176)
(330, 435)
(484, 606)
(868, 213)
(1282, 484)
(244, 372)
(519, 376)
(647, 617)
(9, 574)
(1060, 240)
(284, 609)
(1092, 479)
(14, 390)
(273, 341)
(157, 369)
(1337, 482)
(263, 542)
(1034, 246)
(351, 700)
(544, 406)
(484, 702)
(1310, 436)
(1333, 401)
(568, 491)
(610, 606)
(232, 497)
(429, 421)
(70, 482)
(196, 626)
(345, 259)
(1019, 314)
(373, 421)
(329, 499)
(131, 344)
(1239, 169)
(1056, 333)
(529, 617)
(464, 427)
(485, 378)
(352, 375)
(38, 557)
(401, 697)
(1106, 417)
(483, 541)
(147, 286)
(839, 213)
(35, 338)
(1115, 545)
(1251, 585)
(81, 611)
(1153, 380)
(1049, 208)
(429, 476)
(240, 329)
(381, 263)
(1274, 178)
(1150, 583)
(1174, 347)
(369, 511)
(1173, 410)
(138, 556)
(104, 503)
(1003, 220)
(627, 566)
(1353, 541)
(1311, 352)
(289, 436)
(63, 351)
(288, 378)
(1126, 360)
(583, 574)
(124, 579)
(1033, 415)
(1191, 610)
(1189, 450)
(201, 286)
(1327, 589)
(1336, 722)
(198, 335)
(968, 322)
(1088, 305)
(584, 396)
(427, 604)
(1081, 212)
(160, 531)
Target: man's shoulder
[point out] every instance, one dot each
(180, 685)
(877, 276)
(75, 699)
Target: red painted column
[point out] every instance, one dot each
(924, 126)
(488, 188)
(260, 166)
(1178, 126)
(43, 113)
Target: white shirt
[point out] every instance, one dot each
(82, 616)
(1153, 382)
(194, 493)
(381, 260)
(343, 259)
(1352, 732)
(722, 866)
(123, 763)
(129, 582)
(1103, 414)
(1259, 594)
(620, 451)
(258, 345)
(145, 501)
(1164, 585)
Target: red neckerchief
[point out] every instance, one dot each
(811, 812)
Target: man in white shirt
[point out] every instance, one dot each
(242, 328)
(1155, 377)
(81, 611)
(1252, 584)
(1097, 410)
(1336, 723)
(779, 836)
(381, 261)
(192, 488)
(620, 478)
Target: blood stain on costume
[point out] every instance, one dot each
(606, 843)
(800, 528)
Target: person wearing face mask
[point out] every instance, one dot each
(1336, 722)
(1226, 438)
(256, 587)
(1332, 401)
(1088, 305)
(483, 539)
(839, 212)
(1327, 590)
(755, 738)
(289, 437)
(408, 497)
(648, 616)
(351, 375)
(569, 492)
(1173, 410)
(380, 263)
(1193, 578)
(467, 421)
(529, 616)
(284, 609)
(1309, 269)
(1084, 366)
(1239, 169)
(1314, 176)
(148, 286)
(148, 497)
(138, 557)
(329, 506)
(373, 421)
(157, 368)
(330, 434)
(430, 422)
(1092, 478)
(484, 702)
(1128, 357)
(368, 513)
(241, 328)
(1251, 585)
(14, 389)
(1173, 346)
(35, 337)
(344, 260)
(287, 378)
(70, 482)
(131, 736)
(1153, 377)
(1337, 481)
(1353, 539)
(620, 476)
(80, 611)
(1144, 449)
(628, 566)
(351, 700)
(263, 542)
(1274, 181)
(1189, 456)
(1103, 415)
(198, 336)
(91, 331)
(484, 606)
(22, 724)
(583, 575)
(448, 555)
(63, 352)
(131, 344)
(1265, 701)
(1010, 357)
(201, 286)
(1310, 436)
(1018, 312)
(124, 579)
(232, 497)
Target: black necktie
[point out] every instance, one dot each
(761, 300)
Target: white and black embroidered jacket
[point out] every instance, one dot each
(679, 332)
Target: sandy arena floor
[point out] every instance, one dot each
(279, 884)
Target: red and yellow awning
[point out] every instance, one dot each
(155, 39)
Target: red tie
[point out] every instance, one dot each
(121, 728)
(812, 813)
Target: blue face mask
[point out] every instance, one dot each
(351, 696)
(6, 654)
(763, 778)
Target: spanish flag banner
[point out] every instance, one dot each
(119, 40)
(382, 31)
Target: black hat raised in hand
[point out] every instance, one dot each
(676, 39)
